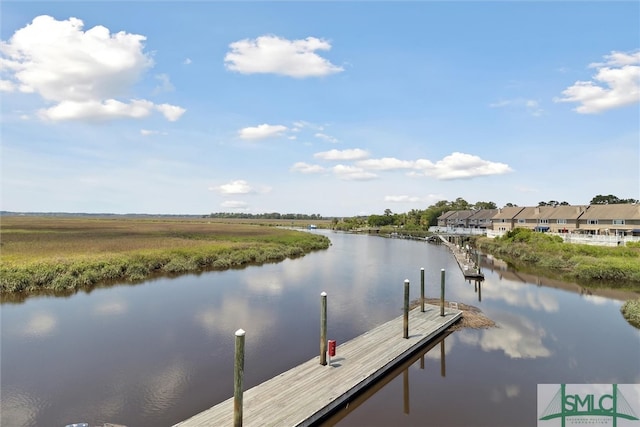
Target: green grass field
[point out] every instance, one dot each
(63, 253)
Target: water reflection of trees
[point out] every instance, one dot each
(506, 271)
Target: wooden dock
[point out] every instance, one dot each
(468, 267)
(305, 394)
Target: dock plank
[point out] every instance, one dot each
(308, 392)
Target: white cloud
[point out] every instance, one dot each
(81, 72)
(386, 163)
(350, 154)
(502, 103)
(302, 124)
(148, 132)
(165, 84)
(170, 112)
(402, 199)
(7, 86)
(615, 84)
(460, 166)
(187, 61)
(352, 173)
(234, 204)
(234, 187)
(303, 167)
(261, 131)
(325, 137)
(272, 54)
(98, 110)
(530, 105)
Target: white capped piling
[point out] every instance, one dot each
(405, 320)
(238, 378)
(422, 290)
(442, 292)
(323, 328)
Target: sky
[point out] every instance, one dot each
(331, 108)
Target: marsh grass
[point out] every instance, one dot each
(591, 265)
(73, 253)
(631, 312)
(472, 317)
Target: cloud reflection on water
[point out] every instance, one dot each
(39, 325)
(270, 283)
(519, 295)
(515, 335)
(499, 394)
(111, 308)
(236, 312)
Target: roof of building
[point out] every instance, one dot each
(534, 212)
(618, 211)
(481, 214)
(564, 212)
(507, 212)
(460, 215)
(445, 215)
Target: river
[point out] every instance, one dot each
(156, 353)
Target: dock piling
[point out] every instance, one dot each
(442, 292)
(405, 322)
(323, 328)
(237, 379)
(422, 290)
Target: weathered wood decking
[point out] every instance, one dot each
(308, 392)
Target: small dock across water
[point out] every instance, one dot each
(305, 394)
(470, 269)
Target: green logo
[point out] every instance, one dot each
(588, 408)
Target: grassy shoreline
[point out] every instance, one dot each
(592, 266)
(631, 312)
(615, 267)
(62, 254)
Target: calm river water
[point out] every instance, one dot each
(159, 352)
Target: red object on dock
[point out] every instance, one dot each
(332, 347)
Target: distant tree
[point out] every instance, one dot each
(510, 205)
(552, 203)
(610, 200)
(380, 220)
(460, 204)
(485, 205)
(387, 212)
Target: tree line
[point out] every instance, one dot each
(415, 219)
(269, 215)
(422, 219)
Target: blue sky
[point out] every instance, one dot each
(334, 108)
